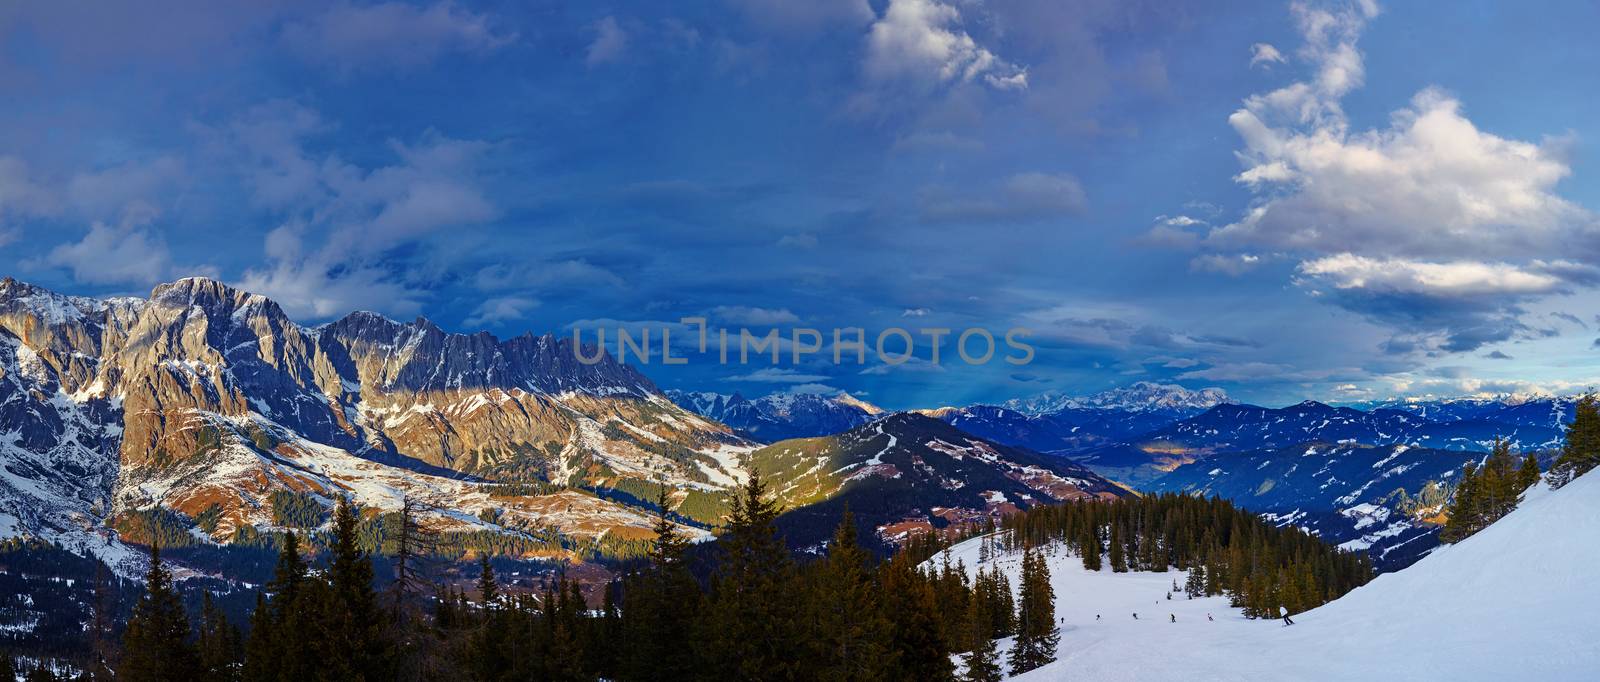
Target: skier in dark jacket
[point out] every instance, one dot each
(1174, 617)
(1136, 616)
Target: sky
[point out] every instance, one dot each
(1340, 201)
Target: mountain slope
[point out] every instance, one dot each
(1513, 602)
(908, 470)
(779, 416)
(1373, 498)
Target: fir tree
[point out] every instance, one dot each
(1462, 519)
(1528, 473)
(1037, 634)
(1089, 547)
(351, 643)
(1195, 586)
(1580, 450)
(662, 603)
(155, 644)
(983, 661)
(750, 633)
(917, 643)
(1119, 560)
(848, 626)
(218, 644)
(488, 588)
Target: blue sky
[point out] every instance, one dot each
(1330, 200)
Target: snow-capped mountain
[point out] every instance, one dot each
(907, 470)
(778, 416)
(204, 400)
(1249, 427)
(1536, 410)
(1374, 498)
(1143, 396)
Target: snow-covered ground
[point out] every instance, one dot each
(1517, 601)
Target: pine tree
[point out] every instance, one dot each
(351, 643)
(1580, 450)
(661, 604)
(751, 630)
(983, 661)
(847, 623)
(488, 589)
(1528, 473)
(1119, 560)
(1037, 633)
(1463, 514)
(917, 643)
(102, 621)
(218, 643)
(1195, 586)
(1090, 549)
(155, 644)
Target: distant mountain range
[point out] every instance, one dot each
(781, 415)
(1142, 396)
(1382, 499)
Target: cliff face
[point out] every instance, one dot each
(205, 396)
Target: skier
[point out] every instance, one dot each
(1097, 618)
(1208, 616)
(1136, 616)
(1174, 617)
(1284, 611)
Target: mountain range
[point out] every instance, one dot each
(204, 413)
(205, 408)
(782, 415)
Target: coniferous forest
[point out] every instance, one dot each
(757, 614)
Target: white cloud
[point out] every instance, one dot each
(1233, 265)
(779, 375)
(501, 309)
(609, 45)
(307, 290)
(922, 41)
(391, 35)
(915, 312)
(760, 317)
(1431, 184)
(341, 220)
(1264, 53)
(1448, 279)
(813, 389)
(1429, 225)
(113, 254)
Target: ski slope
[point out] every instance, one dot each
(1516, 601)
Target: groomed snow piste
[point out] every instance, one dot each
(1518, 601)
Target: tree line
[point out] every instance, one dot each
(760, 613)
(1261, 567)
